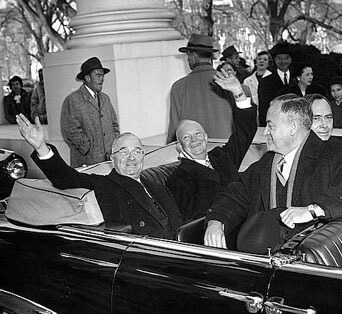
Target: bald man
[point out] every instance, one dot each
(202, 174)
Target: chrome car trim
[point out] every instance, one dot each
(318, 270)
(253, 303)
(261, 260)
(10, 299)
(89, 260)
(275, 307)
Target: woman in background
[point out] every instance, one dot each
(303, 84)
(262, 63)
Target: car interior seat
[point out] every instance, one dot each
(324, 245)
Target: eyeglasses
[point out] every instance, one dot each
(124, 152)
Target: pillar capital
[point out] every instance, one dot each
(115, 21)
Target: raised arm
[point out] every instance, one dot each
(33, 134)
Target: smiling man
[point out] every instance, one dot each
(323, 120)
(123, 197)
(88, 120)
(295, 183)
(202, 174)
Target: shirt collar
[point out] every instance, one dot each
(281, 74)
(289, 157)
(184, 155)
(91, 92)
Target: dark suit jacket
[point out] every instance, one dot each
(121, 198)
(194, 186)
(311, 89)
(318, 180)
(270, 87)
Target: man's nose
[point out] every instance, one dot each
(324, 123)
(131, 155)
(193, 138)
(267, 130)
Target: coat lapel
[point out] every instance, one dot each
(265, 180)
(198, 171)
(310, 152)
(135, 190)
(88, 98)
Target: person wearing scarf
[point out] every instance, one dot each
(271, 210)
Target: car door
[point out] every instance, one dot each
(70, 270)
(306, 288)
(158, 276)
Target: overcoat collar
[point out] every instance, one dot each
(89, 98)
(198, 171)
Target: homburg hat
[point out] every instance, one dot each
(90, 65)
(198, 42)
(260, 232)
(281, 48)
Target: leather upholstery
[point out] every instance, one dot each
(160, 173)
(324, 245)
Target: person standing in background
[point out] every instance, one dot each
(303, 84)
(336, 100)
(197, 97)
(18, 101)
(38, 105)
(88, 120)
(262, 62)
(277, 83)
(232, 55)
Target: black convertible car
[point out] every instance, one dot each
(71, 268)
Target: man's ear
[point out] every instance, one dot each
(294, 127)
(178, 147)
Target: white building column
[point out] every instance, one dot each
(134, 39)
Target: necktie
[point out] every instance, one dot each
(208, 163)
(280, 171)
(285, 79)
(97, 100)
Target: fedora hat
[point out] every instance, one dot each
(260, 232)
(198, 42)
(90, 65)
(228, 52)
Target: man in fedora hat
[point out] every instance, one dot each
(232, 55)
(278, 82)
(88, 120)
(197, 97)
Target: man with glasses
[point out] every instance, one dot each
(123, 196)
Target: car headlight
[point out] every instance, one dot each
(16, 168)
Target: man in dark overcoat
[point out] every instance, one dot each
(122, 196)
(297, 182)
